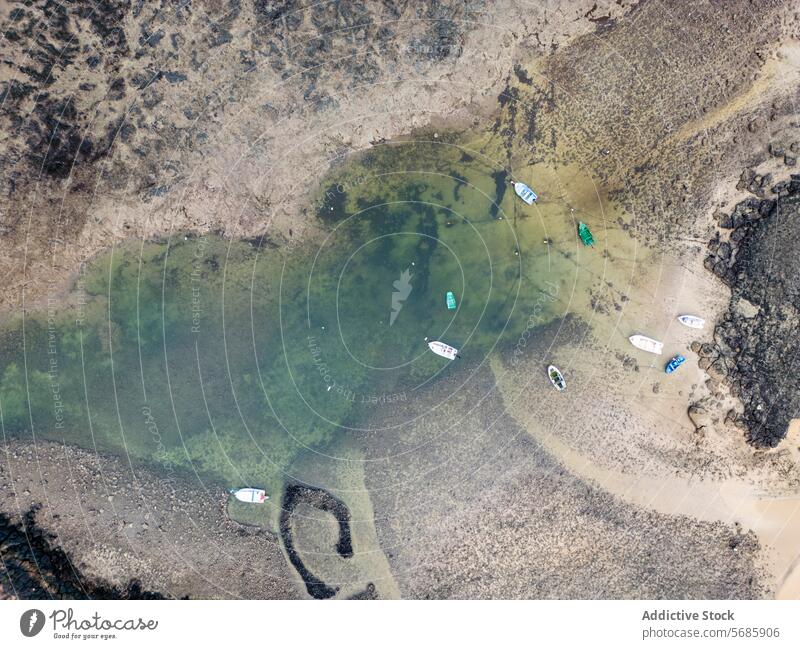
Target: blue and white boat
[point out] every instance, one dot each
(674, 364)
(525, 193)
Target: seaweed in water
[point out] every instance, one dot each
(500, 184)
(333, 205)
(460, 182)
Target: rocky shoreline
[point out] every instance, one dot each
(35, 567)
(755, 354)
(82, 524)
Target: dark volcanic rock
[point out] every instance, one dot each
(760, 344)
(77, 524)
(320, 499)
(37, 568)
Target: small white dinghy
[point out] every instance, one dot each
(525, 193)
(646, 344)
(250, 495)
(691, 321)
(556, 378)
(442, 349)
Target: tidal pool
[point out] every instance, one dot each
(235, 358)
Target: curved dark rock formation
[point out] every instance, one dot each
(295, 495)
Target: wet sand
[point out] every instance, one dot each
(469, 505)
(626, 429)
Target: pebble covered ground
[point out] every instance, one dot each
(118, 531)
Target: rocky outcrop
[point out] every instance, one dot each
(699, 414)
(77, 524)
(756, 349)
(35, 567)
(295, 495)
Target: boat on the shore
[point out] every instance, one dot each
(250, 495)
(646, 344)
(442, 349)
(692, 321)
(525, 193)
(674, 363)
(556, 378)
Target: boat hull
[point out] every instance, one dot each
(249, 495)
(674, 364)
(525, 193)
(691, 321)
(556, 378)
(441, 349)
(585, 234)
(646, 344)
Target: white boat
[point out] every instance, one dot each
(250, 495)
(646, 344)
(691, 321)
(556, 378)
(525, 193)
(442, 349)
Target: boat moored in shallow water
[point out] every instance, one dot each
(585, 234)
(692, 321)
(451, 300)
(646, 344)
(525, 193)
(556, 378)
(442, 349)
(250, 495)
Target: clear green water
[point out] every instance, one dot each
(234, 360)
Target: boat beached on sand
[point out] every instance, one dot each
(674, 364)
(646, 344)
(556, 378)
(692, 321)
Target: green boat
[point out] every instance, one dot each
(451, 300)
(585, 234)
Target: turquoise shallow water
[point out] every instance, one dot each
(233, 358)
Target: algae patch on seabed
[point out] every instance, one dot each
(234, 361)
